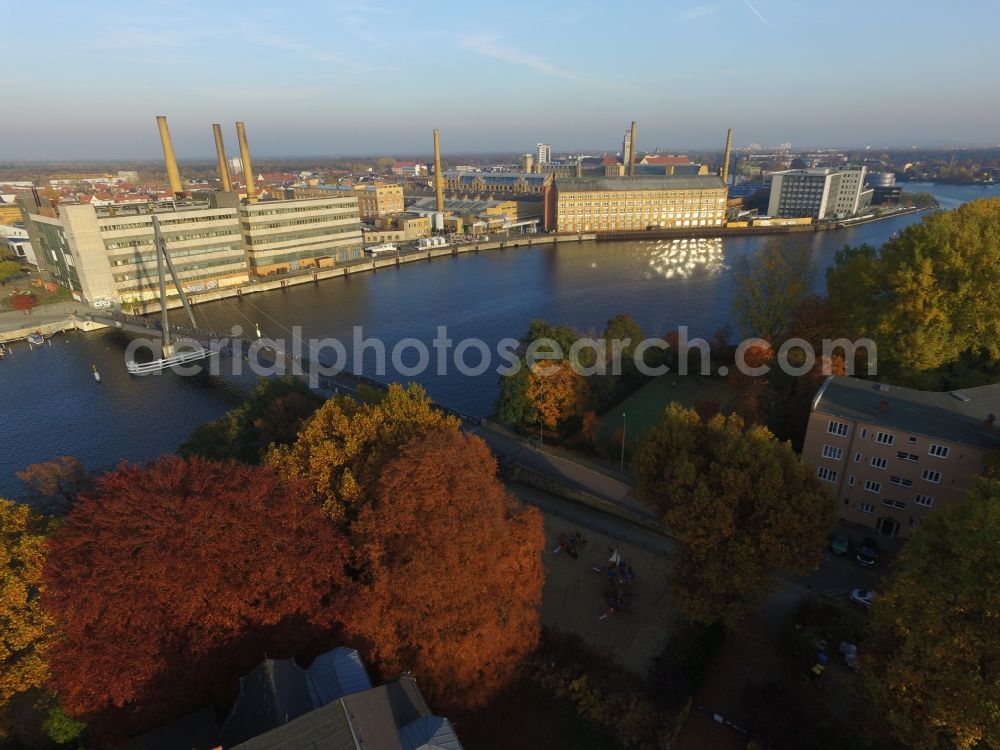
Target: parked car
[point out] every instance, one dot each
(867, 553)
(862, 597)
(840, 544)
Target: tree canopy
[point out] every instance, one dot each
(740, 504)
(930, 294)
(51, 487)
(174, 578)
(272, 414)
(24, 626)
(935, 654)
(768, 283)
(343, 445)
(452, 570)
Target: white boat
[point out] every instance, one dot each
(386, 247)
(35, 338)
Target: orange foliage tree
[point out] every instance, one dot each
(23, 624)
(557, 391)
(343, 444)
(51, 487)
(452, 571)
(173, 579)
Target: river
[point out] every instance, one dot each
(50, 404)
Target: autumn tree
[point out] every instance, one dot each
(51, 487)
(934, 655)
(931, 293)
(173, 579)
(345, 442)
(271, 415)
(768, 283)
(741, 505)
(557, 392)
(24, 626)
(452, 572)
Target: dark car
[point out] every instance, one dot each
(867, 553)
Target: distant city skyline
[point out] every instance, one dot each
(367, 78)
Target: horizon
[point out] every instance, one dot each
(360, 78)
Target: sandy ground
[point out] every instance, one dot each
(574, 597)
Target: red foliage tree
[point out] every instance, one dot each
(453, 571)
(23, 301)
(173, 579)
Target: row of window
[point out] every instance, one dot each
(841, 429)
(928, 475)
(922, 500)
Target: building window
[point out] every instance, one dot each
(885, 438)
(866, 508)
(904, 456)
(850, 481)
(938, 451)
(899, 481)
(837, 428)
(872, 486)
(894, 503)
(925, 500)
(864, 433)
(879, 463)
(857, 458)
(830, 451)
(827, 475)
(912, 439)
(930, 476)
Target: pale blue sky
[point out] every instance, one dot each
(85, 80)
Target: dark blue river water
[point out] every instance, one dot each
(50, 404)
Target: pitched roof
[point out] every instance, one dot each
(687, 182)
(956, 416)
(377, 715)
(326, 728)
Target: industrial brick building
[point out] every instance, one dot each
(610, 204)
(890, 454)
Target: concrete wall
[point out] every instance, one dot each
(86, 244)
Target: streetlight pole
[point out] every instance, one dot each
(622, 465)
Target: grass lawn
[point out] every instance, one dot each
(530, 718)
(644, 407)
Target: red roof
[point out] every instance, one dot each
(609, 161)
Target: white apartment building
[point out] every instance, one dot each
(544, 153)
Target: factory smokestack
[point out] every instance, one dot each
(438, 177)
(631, 153)
(241, 135)
(173, 173)
(727, 155)
(220, 152)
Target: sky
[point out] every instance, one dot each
(86, 80)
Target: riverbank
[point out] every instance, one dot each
(56, 318)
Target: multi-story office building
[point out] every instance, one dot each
(107, 252)
(292, 235)
(496, 182)
(817, 193)
(890, 454)
(609, 204)
(375, 199)
(544, 153)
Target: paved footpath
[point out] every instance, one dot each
(13, 320)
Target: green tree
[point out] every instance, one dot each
(741, 505)
(934, 674)
(271, 415)
(513, 405)
(621, 327)
(10, 269)
(768, 284)
(931, 294)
